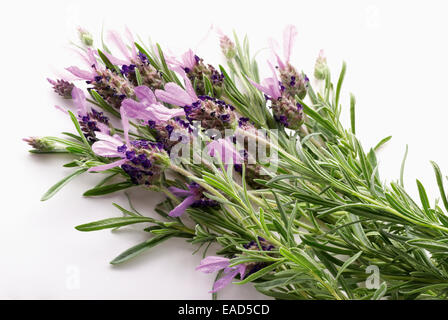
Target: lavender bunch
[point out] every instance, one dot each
(305, 222)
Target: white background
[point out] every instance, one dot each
(396, 53)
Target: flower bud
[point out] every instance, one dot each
(145, 161)
(227, 47)
(201, 70)
(212, 113)
(40, 144)
(321, 67)
(85, 37)
(293, 83)
(62, 88)
(288, 112)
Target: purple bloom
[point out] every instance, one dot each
(109, 146)
(270, 86)
(187, 63)
(92, 121)
(140, 159)
(90, 60)
(148, 108)
(215, 263)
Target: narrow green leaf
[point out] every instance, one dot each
(347, 263)
(138, 77)
(382, 142)
(102, 190)
(208, 86)
(402, 167)
(260, 273)
(440, 184)
(103, 104)
(111, 223)
(48, 151)
(59, 185)
(423, 197)
(380, 292)
(140, 248)
(352, 113)
(339, 85)
(107, 62)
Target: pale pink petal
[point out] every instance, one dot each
(115, 38)
(103, 128)
(188, 59)
(274, 48)
(125, 124)
(115, 139)
(145, 95)
(274, 87)
(289, 36)
(189, 87)
(225, 279)
(275, 84)
(260, 87)
(82, 74)
(79, 100)
(108, 166)
(114, 60)
(132, 41)
(242, 270)
(174, 94)
(226, 151)
(88, 57)
(135, 110)
(91, 57)
(163, 113)
(212, 264)
(106, 149)
(61, 109)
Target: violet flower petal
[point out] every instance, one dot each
(180, 209)
(212, 264)
(179, 192)
(224, 280)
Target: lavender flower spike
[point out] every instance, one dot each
(141, 160)
(214, 263)
(62, 87)
(91, 122)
